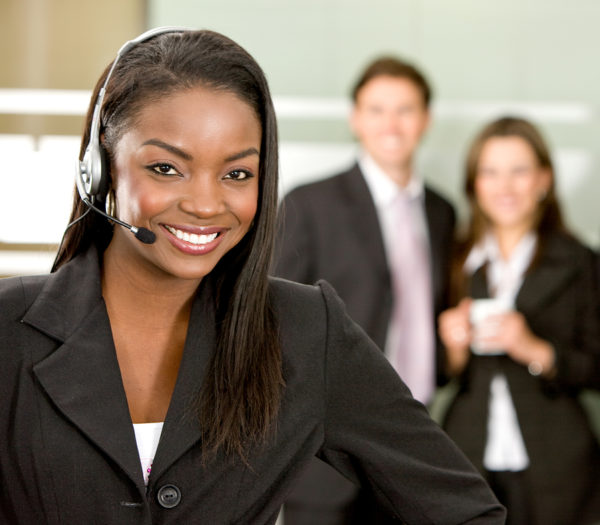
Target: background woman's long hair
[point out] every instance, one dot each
(548, 218)
(241, 392)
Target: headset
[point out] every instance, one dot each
(91, 175)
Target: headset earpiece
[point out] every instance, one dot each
(92, 172)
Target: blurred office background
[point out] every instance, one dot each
(536, 58)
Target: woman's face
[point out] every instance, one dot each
(187, 170)
(510, 183)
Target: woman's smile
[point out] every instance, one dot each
(195, 240)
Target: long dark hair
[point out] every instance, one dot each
(241, 392)
(548, 218)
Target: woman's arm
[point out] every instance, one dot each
(379, 436)
(571, 324)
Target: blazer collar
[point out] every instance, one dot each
(382, 188)
(82, 375)
(68, 297)
(367, 228)
(552, 272)
(182, 430)
(438, 242)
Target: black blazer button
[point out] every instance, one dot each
(168, 496)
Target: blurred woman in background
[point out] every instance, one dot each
(523, 338)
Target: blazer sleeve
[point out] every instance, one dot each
(576, 343)
(378, 435)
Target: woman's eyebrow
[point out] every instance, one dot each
(169, 147)
(186, 156)
(242, 154)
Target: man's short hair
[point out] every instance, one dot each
(391, 66)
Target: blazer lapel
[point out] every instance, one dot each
(478, 286)
(435, 243)
(82, 375)
(83, 380)
(553, 272)
(365, 220)
(182, 430)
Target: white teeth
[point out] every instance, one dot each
(192, 238)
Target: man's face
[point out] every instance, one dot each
(389, 119)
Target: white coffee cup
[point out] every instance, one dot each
(483, 326)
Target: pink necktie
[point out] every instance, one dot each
(412, 352)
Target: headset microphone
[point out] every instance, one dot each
(141, 234)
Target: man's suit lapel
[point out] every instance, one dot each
(366, 222)
(437, 258)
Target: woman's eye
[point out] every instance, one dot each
(239, 175)
(164, 169)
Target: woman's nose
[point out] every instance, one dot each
(202, 197)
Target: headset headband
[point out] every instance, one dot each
(90, 173)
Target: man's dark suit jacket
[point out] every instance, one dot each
(329, 230)
(559, 299)
(68, 453)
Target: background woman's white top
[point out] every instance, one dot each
(505, 448)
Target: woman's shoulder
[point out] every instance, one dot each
(302, 308)
(290, 298)
(566, 246)
(289, 295)
(17, 293)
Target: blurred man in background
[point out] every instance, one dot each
(382, 238)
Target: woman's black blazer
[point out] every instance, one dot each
(67, 448)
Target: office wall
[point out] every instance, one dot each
(48, 45)
(536, 58)
(60, 44)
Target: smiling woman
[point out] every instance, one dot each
(163, 377)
